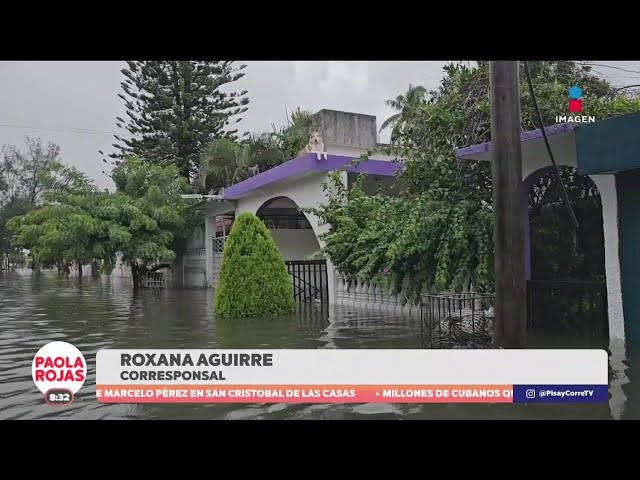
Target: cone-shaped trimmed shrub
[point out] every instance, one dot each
(253, 277)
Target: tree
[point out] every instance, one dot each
(145, 220)
(62, 230)
(13, 208)
(25, 169)
(174, 108)
(439, 232)
(57, 234)
(253, 279)
(415, 96)
(225, 161)
(148, 219)
(292, 137)
(22, 177)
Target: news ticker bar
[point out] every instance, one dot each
(352, 393)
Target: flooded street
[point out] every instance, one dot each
(106, 314)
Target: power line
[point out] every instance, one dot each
(627, 86)
(532, 91)
(609, 66)
(71, 130)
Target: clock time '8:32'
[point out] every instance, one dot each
(59, 396)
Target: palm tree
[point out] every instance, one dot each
(414, 96)
(226, 162)
(295, 135)
(262, 150)
(219, 165)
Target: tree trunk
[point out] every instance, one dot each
(95, 270)
(185, 170)
(79, 265)
(136, 276)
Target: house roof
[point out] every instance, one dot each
(309, 164)
(524, 137)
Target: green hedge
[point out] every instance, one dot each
(254, 280)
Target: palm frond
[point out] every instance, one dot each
(392, 120)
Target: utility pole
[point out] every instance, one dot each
(508, 211)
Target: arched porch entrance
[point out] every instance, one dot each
(296, 239)
(565, 265)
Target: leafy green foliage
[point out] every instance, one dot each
(174, 108)
(148, 219)
(24, 177)
(144, 220)
(62, 230)
(22, 171)
(253, 279)
(393, 241)
(226, 161)
(438, 231)
(291, 138)
(415, 96)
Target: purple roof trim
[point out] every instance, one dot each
(306, 164)
(525, 137)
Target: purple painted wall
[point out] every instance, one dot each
(309, 164)
(525, 137)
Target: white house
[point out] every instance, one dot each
(278, 196)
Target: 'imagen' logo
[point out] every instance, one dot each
(575, 99)
(575, 106)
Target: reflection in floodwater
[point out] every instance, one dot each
(106, 314)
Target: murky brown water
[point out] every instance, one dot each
(106, 314)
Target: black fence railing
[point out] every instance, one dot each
(560, 313)
(289, 222)
(310, 281)
(575, 308)
(457, 320)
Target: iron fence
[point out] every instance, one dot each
(457, 320)
(310, 280)
(577, 308)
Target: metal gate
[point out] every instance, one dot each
(577, 308)
(310, 281)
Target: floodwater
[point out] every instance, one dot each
(105, 314)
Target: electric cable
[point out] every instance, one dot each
(68, 130)
(546, 142)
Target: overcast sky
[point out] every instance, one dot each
(74, 104)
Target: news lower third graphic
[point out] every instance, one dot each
(59, 370)
(351, 376)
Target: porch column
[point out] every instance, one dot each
(209, 232)
(318, 230)
(527, 231)
(607, 187)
